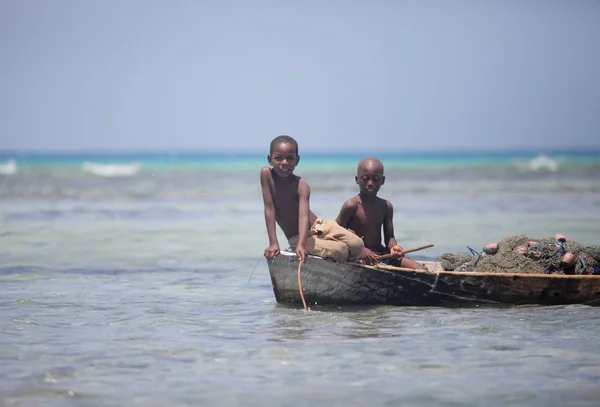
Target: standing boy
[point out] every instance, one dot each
(366, 214)
(286, 198)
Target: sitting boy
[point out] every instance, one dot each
(366, 213)
(286, 200)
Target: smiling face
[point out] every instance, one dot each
(283, 159)
(369, 176)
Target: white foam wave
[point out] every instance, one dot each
(111, 170)
(9, 168)
(540, 163)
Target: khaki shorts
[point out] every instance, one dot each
(329, 240)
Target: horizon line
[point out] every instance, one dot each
(303, 151)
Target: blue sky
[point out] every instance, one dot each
(336, 75)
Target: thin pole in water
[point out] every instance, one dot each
(300, 286)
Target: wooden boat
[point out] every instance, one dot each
(325, 282)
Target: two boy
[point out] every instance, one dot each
(286, 200)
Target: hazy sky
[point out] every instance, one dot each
(338, 75)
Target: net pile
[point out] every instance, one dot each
(521, 254)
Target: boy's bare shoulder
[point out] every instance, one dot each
(266, 178)
(387, 203)
(353, 202)
(265, 171)
(303, 186)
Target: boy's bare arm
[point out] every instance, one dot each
(388, 227)
(303, 218)
(343, 218)
(265, 175)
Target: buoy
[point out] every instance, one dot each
(521, 250)
(568, 259)
(560, 237)
(491, 248)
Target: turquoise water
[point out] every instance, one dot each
(222, 160)
(138, 279)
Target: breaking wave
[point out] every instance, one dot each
(540, 163)
(8, 168)
(111, 170)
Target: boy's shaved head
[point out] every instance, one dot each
(285, 140)
(372, 164)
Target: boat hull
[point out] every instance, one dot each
(325, 282)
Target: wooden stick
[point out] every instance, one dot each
(386, 267)
(416, 249)
(300, 286)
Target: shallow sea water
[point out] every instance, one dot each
(151, 290)
(197, 338)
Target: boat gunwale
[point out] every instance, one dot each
(395, 270)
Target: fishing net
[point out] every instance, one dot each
(521, 254)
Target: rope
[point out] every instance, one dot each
(248, 283)
(250, 277)
(475, 252)
(583, 265)
(560, 249)
(300, 286)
